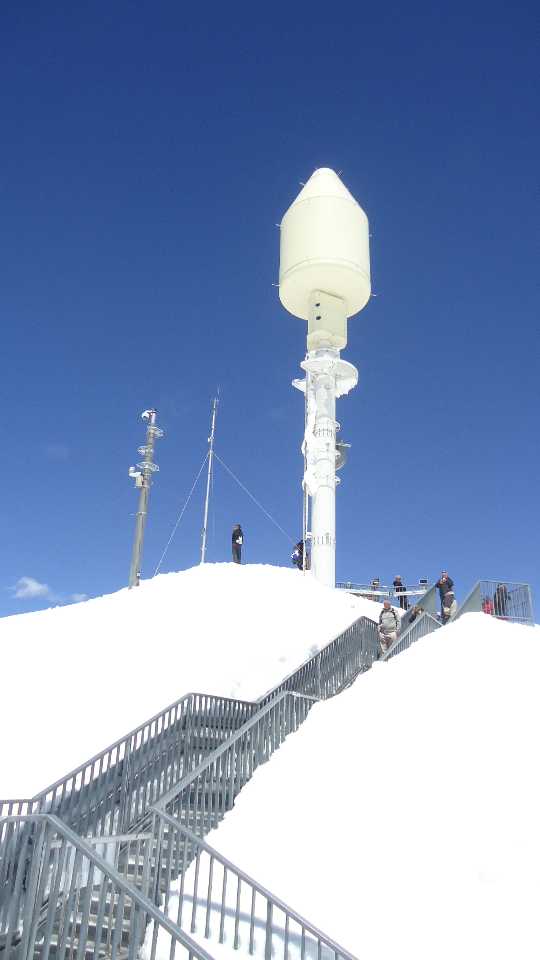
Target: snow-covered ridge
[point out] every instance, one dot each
(82, 676)
(402, 818)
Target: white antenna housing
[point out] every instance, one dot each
(324, 249)
(324, 278)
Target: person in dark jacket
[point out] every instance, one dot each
(444, 584)
(237, 541)
(297, 556)
(500, 600)
(400, 588)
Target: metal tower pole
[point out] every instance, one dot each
(143, 480)
(209, 477)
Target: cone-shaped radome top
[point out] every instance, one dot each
(323, 182)
(324, 246)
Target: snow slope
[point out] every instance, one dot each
(76, 678)
(402, 819)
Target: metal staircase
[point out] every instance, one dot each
(204, 747)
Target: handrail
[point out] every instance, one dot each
(272, 707)
(54, 898)
(236, 908)
(111, 771)
(358, 641)
(423, 625)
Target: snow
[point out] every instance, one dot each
(402, 818)
(77, 678)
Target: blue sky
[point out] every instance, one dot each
(148, 150)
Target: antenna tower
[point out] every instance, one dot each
(142, 475)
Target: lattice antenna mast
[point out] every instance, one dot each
(209, 477)
(142, 475)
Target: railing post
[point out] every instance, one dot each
(268, 938)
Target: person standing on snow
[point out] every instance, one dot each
(388, 626)
(444, 584)
(400, 589)
(237, 541)
(297, 556)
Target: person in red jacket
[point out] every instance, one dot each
(487, 606)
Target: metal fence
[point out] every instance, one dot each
(112, 790)
(70, 907)
(339, 661)
(383, 591)
(424, 624)
(216, 900)
(503, 599)
(108, 799)
(67, 901)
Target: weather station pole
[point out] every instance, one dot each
(142, 475)
(324, 278)
(209, 477)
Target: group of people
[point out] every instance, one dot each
(390, 621)
(498, 606)
(297, 556)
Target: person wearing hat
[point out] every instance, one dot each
(237, 541)
(400, 589)
(388, 626)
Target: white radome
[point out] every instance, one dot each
(324, 246)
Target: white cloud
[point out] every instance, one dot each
(79, 597)
(27, 588)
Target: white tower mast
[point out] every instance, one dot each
(209, 476)
(324, 278)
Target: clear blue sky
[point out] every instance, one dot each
(147, 152)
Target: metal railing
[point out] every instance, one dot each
(67, 901)
(108, 799)
(112, 790)
(216, 900)
(425, 623)
(147, 862)
(383, 591)
(503, 599)
(340, 660)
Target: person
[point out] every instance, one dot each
(297, 556)
(500, 600)
(237, 541)
(388, 626)
(444, 584)
(449, 606)
(487, 606)
(416, 612)
(400, 589)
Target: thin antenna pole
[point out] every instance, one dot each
(215, 402)
(143, 480)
